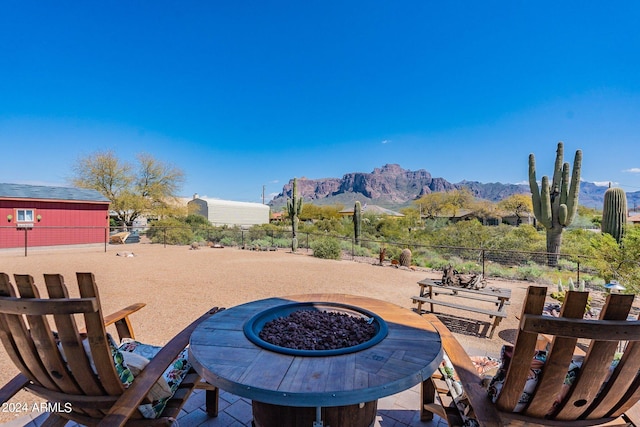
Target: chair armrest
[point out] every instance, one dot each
(485, 411)
(128, 403)
(121, 320)
(9, 390)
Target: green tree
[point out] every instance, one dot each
(431, 205)
(518, 204)
(449, 203)
(148, 188)
(619, 261)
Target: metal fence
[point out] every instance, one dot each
(488, 262)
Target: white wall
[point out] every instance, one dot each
(226, 212)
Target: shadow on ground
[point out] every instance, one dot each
(509, 335)
(464, 326)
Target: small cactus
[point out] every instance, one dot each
(405, 257)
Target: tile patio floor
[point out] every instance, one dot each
(399, 410)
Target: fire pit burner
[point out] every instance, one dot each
(255, 325)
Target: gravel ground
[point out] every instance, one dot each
(179, 284)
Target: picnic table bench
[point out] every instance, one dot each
(497, 297)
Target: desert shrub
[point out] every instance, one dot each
(170, 231)
(497, 270)
(260, 243)
(228, 241)
(361, 251)
(282, 242)
(393, 252)
(468, 267)
(437, 263)
(326, 248)
(530, 272)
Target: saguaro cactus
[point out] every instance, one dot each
(357, 222)
(294, 207)
(614, 213)
(556, 203)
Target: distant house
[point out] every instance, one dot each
(373, 210)
(495, 218)
(227, 212)
(633, 218)
(277, 217)
(51, 216)
(525, 218)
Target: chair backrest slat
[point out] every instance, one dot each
(71, 340)
(20, 346)
(630, 398)
(96, 334)
(524, 351)
(558, 359)
(43, 339)
(596, 365)
(621, 379)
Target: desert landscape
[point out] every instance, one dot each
(179, 284)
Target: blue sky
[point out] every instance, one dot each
(247, 94)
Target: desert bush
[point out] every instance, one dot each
(530, 272)
(228, 241)
(260, 243)
(361, 251)
(170, 231)
(327, 248)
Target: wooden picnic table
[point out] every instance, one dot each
(342, 389)
(492, 296)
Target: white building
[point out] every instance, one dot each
(227, 212)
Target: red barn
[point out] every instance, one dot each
(36, 215)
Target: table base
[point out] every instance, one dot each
(268, 415)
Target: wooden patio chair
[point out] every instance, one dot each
(604, 389)
(80, 373)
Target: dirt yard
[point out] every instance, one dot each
(179, 284)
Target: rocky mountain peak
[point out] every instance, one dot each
(391, 186)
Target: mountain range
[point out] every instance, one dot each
(393, 187)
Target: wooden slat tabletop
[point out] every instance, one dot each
(224, 357)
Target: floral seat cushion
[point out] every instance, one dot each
(493, 371)
(130, 358)
(135, 352)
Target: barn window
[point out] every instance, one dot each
(25, 215)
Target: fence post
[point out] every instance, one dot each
(164, 236)
(483, 272)
(25, 241)
(578, 279)
(353, 249)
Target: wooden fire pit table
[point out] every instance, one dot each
(334, 390)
